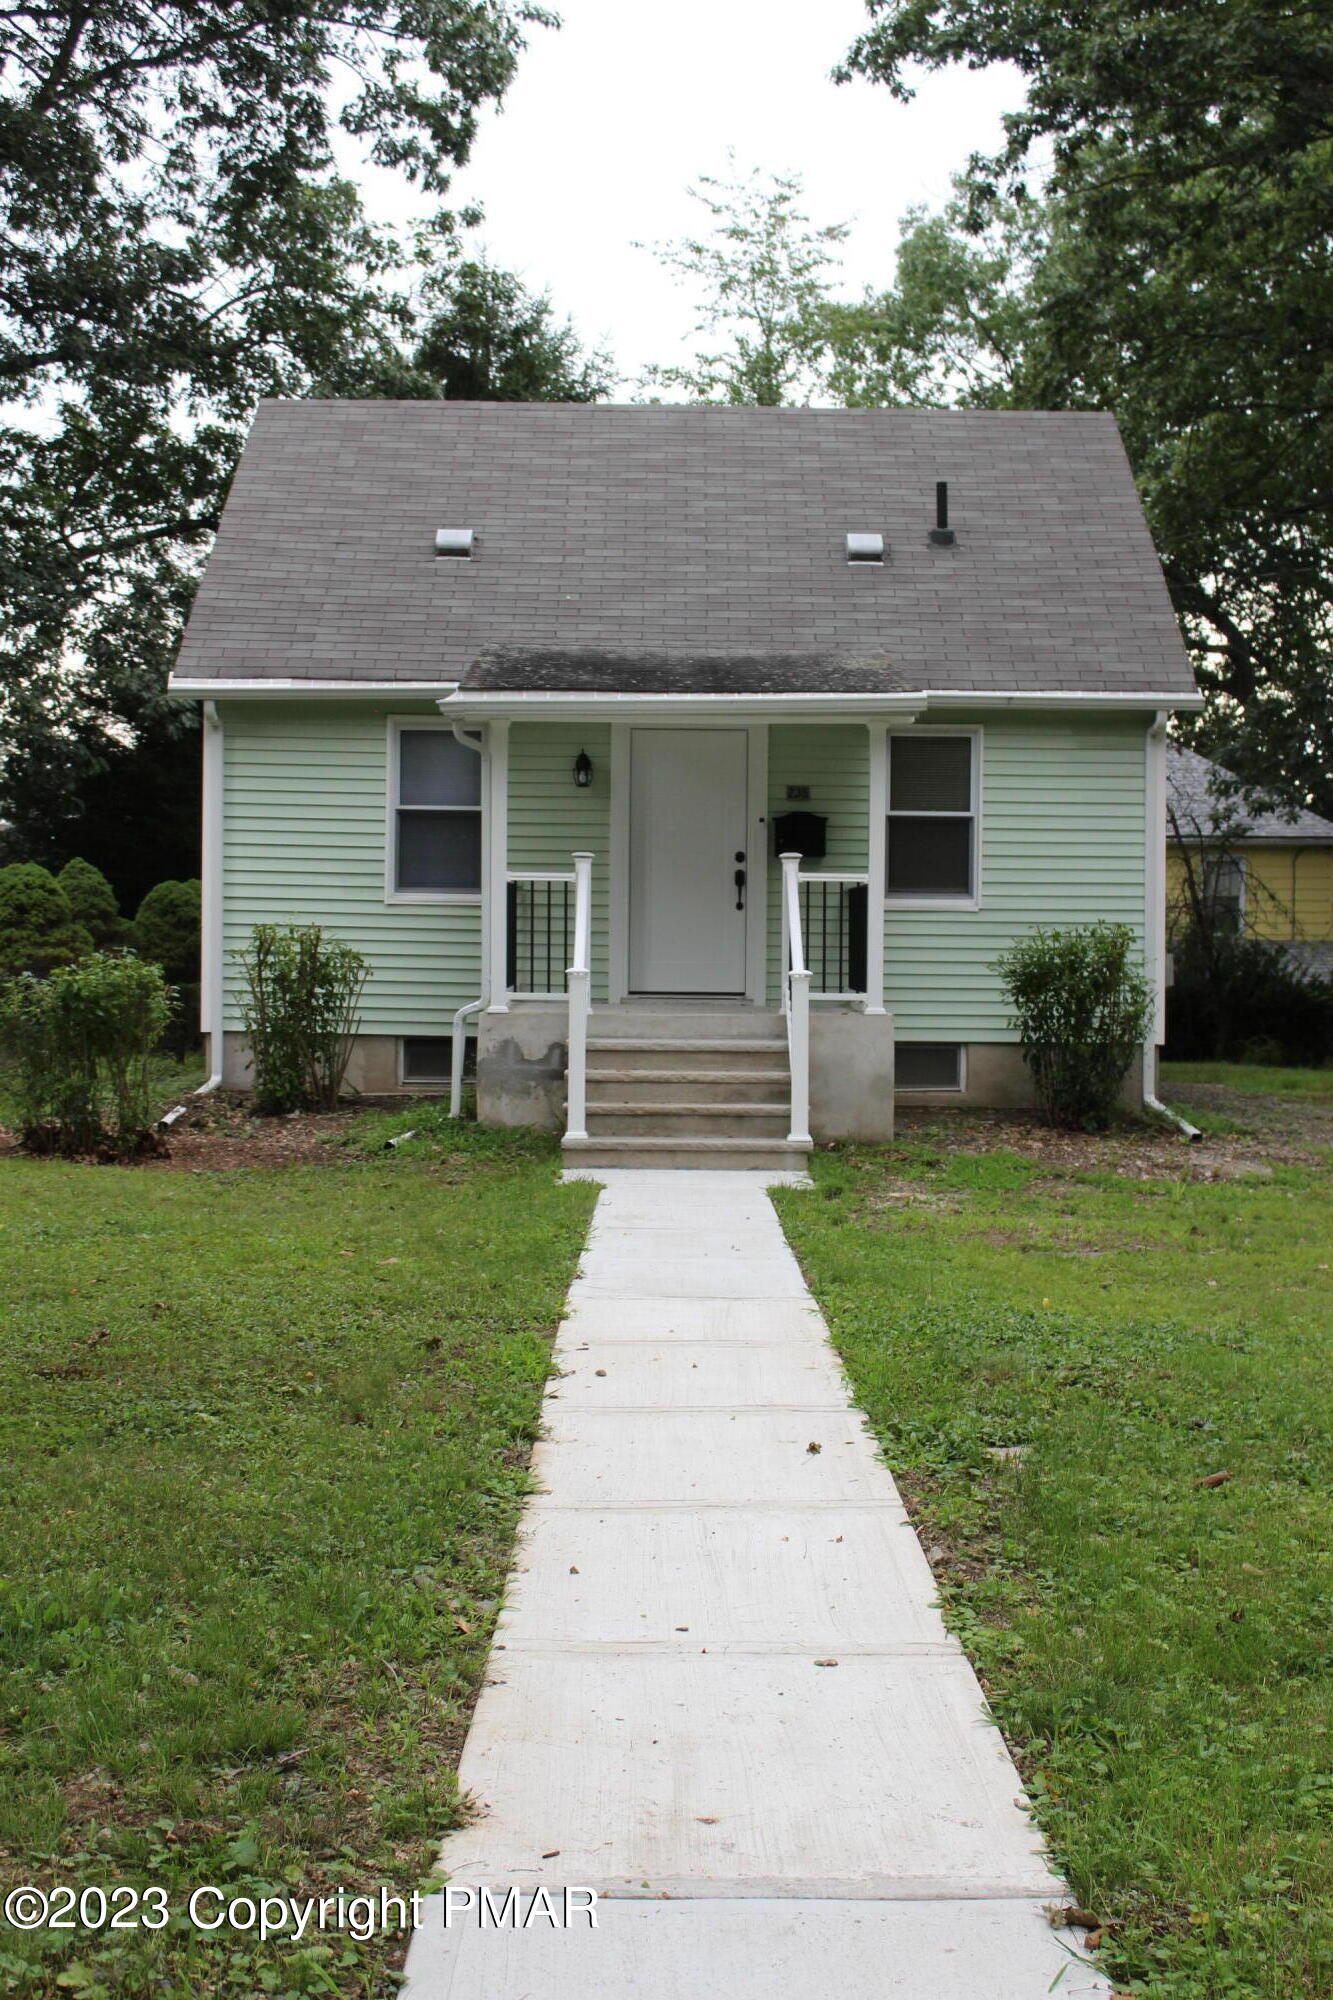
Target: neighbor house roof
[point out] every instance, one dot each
(1203, 796)
(653, 541)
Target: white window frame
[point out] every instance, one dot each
(1212, 861)
(934, 902)
(392, 893)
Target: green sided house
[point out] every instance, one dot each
(694, 763)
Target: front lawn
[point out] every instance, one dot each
(266, 1435)
(1263, 1079)
(1105, 1392)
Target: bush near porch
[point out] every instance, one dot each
(267, 1434)
(1099, 1370)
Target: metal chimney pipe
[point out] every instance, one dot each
(941, 535)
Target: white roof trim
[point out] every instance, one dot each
(267, 687)
(570, 703)
(479, 705)
(1055, 698)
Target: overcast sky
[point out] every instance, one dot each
(613, 115)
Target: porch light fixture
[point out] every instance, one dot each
(583, 770)
(942, 535)
(453, 542)
(865, 548)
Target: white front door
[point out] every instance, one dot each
(688, 842)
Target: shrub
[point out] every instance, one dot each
(80, 1041)
(301, 1014)
(1082, 1012)
(1240, 999)
(38, 929)
(166, 928)
(92, 902)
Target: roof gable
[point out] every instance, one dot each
(685, 533)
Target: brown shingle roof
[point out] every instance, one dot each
(685, 534)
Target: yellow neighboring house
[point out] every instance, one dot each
(1265, 872)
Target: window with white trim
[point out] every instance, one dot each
(932, 830)
(437, 815)
(1224, 892)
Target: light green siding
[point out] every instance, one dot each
(305, 831)
(303, 842)
(834, 762)
(1062, 842)
(550, 817)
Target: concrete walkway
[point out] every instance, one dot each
(720, 1693)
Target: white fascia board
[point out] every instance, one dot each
(483, 707)
(268, 688)
(1054, 699)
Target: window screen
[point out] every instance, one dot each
(927, 1066)
(437, 829)
(932, 823)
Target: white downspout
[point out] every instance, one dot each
(1154, 931)
(212, 939)
(458, 1032)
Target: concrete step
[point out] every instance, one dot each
(702, 1120)
(763, 1155)
(686, 1023)
(626, 1052)
(769, 1085)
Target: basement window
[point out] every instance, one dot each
(428, 1059)
(435, 814)
(927, 1066)
(934, 786)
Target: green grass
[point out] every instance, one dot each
(266, 1435)
(1265, 1079)
(1156, 1648)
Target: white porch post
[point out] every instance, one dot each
(796, 978)
(580, 1003)
(876, 862)
(495, 903)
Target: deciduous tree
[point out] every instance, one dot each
(1188, 155)
(176, 240)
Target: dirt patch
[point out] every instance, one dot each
(221, 1134)
(1276, 1132)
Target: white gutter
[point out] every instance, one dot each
(211, 933)
(1154, 914)
(476, 705)
(1055, 699)
(266, 687)
(458, 1033)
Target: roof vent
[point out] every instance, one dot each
(453, 541)
(942, 535)
(865, 548)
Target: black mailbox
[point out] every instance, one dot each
(800, 833)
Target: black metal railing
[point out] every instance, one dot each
(833, 925)
(541, 935)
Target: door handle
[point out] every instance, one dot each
(739, 879)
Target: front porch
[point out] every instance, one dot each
(701, 894)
